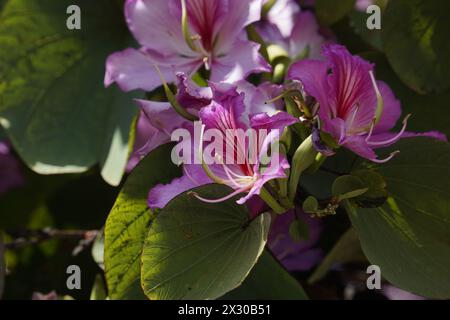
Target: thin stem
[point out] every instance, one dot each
(271, 201)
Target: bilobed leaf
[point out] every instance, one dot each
(408, 237)
(268, 280)
(415, 40)
(128, 224)
(53, 103)
(199, 250)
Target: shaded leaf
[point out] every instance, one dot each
(53, 104)
(268, 280)
(128, 223)
(199, 250)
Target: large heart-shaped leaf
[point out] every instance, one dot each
(415, 40)
(199, 250)
(409, 236)
(53, 104)
(268, 280)
(128, 224)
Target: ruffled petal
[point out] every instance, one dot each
(161, 115)
(305, 36)
(147, 139)
(157, 26)
(282, 15)
(313, 76)
(243, 59)
(278, 121)
(239, 15)
(190, 95)
(257, 98)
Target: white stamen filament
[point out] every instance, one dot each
(392, 140)
(393, 154)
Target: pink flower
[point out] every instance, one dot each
(216, 39)
(232, 109)
(297, 32)
(358, 111)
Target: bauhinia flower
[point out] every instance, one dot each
(295, 31)
(355, 109)
(158, 120)
(239, 163)
(183, 36)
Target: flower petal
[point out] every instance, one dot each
(190, 95)
(278, 121)
(157, 26)
(305, 35)
(193, 176)
(313, 76)
(243, 59)
(147, 139)
(132, 69)
(239, 15)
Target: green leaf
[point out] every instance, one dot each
(310, 204)
(53, 103)
(409, 236)
(331, 11)
(128, 223)
(376, 193)
(348, 186)
(199, 250)
(268, 280)
(415, 33)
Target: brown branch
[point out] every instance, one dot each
(34, 237)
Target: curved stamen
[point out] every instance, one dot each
(205, 167)
(380, 102)
(185, 27)
(370, 130)
(394, 139)
(393, 154)
(231, 195)
(228, 172)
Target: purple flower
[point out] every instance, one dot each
(294, 31)
(216, 39)
(10, 174)
(233, 108)
(295, 256)
(358, 111)
(157, 120)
